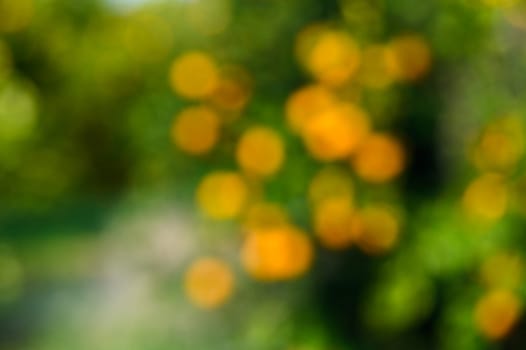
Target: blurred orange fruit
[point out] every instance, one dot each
(336, 133)
(276, 254)
(496, 313)
(333, 223)
(208, 283)
(196, 129)
(379, 158)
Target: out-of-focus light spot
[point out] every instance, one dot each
(486, 197)
(15, 15)
(305, 103)
(194, 75)
(379, 158)
(209, 17)
(336, 133)
(209, 283)
(18, 112)
(500, 146)
(496, 313)
(196, 129)
(263, 215)
(331, 56)
(147, 37)
(330, 182)
(260, 151)
(408, 57)
(233, 90)
(11, 275)
(276, 254)
(374, 71)
(333, 223)
(377, 229)
(502, 270)
(222, 195)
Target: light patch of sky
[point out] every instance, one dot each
(128, 5)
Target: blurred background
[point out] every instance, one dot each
(263, 174)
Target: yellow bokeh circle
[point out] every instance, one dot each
(276, 254)
(333, 223)
(305, 103)
(500, 145)
(486, 198)
(379, 158)
(194, 75)
(333, 57)
(260, 151)
(222, 195)
(336, 133)
(497, 312)
(208, 283)
(196, 130)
